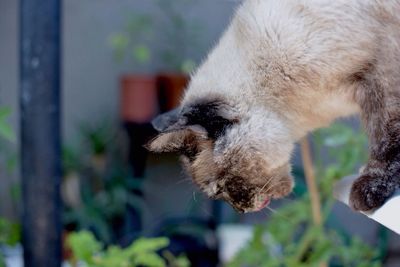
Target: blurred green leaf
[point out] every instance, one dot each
(149, 259)
(2, 261)
(119, 42)
(10, 233)
(141, 53)
(4, 112)
(143, 245)
(5, 129)
(133, 42)
(84, 246)
(180, 261)
(188, 66)
(142, 252)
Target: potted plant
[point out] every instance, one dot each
(97, 138)
(138, 95)
(179, 35)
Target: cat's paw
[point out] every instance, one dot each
(369, 193)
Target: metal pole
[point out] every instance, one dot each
(40, 131)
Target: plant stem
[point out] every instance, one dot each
(311, 184)
(311, 181)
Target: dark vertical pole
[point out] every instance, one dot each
(40, 131)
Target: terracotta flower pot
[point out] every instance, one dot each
(171, 88)
(138, 98)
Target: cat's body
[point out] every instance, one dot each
(282, 69)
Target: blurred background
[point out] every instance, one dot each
(122, 63)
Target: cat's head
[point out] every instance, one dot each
(230, 129)
(241, 157)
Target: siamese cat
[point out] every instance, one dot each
(282, 69)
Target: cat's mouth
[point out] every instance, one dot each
(257, 203)
(264, 204)
(257, 206)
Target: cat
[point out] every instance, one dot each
(281, 70)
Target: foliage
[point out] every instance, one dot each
(99, 209)
(9, 232)
(7, 135)
(5, 129)
(10, 235)
(97, 137)
(177, 36)
(70, 160)
(105, 192)
(290, 238)
(142, 252)
(133, 40)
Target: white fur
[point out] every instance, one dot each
(285, 62)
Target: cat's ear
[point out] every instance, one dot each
(168, 142)
(205, 117)
(176, 134)
(170, 121)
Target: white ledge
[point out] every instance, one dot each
(387, 215)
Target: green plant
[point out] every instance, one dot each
(100, 209)
(142, 252)
(5, 129)
(105, 193)
(133, 41)
(7, 135)
(180, 35)
(290, 238)
(2, 261)
(10, 235)
(71, 161)
(9, 232)
(97, 138)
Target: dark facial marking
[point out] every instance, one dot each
(207, 115)
(240, 193)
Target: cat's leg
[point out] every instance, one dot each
(380, 108)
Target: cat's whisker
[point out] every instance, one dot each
(271, 209)
(207, 212)
(194, 196)
(276, 213)
(266, 184)
(274, 186)
(183, 180)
